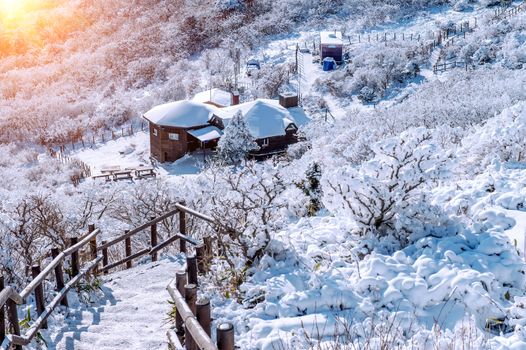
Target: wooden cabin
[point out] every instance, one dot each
(272, 123)
(181, 127)
(331, 45)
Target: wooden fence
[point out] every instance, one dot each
(10, 299)
(104, 136)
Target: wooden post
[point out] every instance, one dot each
(13, 320)
(93, 247)
(190, 296)
(204, 315)
(59, 276)
(2, 313)
(225, 336)
(153, 238)
(104, 257)
(207, 241)
(39, 294)
(180, 282)
(201, 259)
(74, 257)
(128, 249)
(191, 267)
(182, 230)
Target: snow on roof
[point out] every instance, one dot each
(267, 118)
(207, 133)
(216, 96)
(331, 38)
(181, 114)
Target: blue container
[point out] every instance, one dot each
(329, 64)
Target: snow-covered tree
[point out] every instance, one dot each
(236, 141)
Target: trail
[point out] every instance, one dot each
(130, 314)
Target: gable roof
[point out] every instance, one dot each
(267, 118)
(181, 114)
(215, 96)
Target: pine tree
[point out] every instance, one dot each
(236, 141)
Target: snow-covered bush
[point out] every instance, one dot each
(384, 195)
(502, 138)
(236, 141)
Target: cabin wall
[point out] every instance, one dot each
(163, 148)
(276, 144)
(334, 51)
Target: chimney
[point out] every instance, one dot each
(288, 99)
(235, 98)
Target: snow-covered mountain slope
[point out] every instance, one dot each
(130, 312)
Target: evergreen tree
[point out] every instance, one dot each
(236, 141)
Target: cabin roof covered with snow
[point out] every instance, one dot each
(267, 118)
(331, 38)
(207, 133)
(181, 114)
(215, 96)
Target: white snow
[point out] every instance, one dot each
(217, 96)
(131, 312)
(267, 118)
(182, 114)
(331, 38)
(207, 133)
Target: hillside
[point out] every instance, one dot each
(397, 221)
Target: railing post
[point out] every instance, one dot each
(13, 320)
(190, 297)
(104, 257)
(59, 276)
(93, 248)
(39, 294)
(225, 336)
(182, 230)
(203, 314)
(128, 249)
(180, 282)
(207, 241)
(153, 238)
(200, 257)
(74, 257)
(191, 267)
(2, 313)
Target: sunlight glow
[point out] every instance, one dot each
(12, 10)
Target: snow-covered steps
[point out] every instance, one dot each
(130, 314)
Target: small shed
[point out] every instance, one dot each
(216, 97)
(331, 45)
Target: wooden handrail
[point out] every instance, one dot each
(54, 263)
(195, 213)
(33, 329)
(9, 293)
(199, 335)
(137, 230)
(172, 239)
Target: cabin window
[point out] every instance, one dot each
(155, 132)
(173, 136)
(265, 143)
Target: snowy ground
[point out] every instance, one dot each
(129, 313)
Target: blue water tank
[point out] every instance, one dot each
(329, 64)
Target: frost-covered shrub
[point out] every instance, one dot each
(383, 193)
